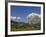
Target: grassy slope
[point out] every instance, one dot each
(24, 27)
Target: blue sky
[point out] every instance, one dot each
(23, 11)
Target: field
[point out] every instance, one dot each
(21, 26)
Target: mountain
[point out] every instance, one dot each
(32, 14)
(14, 18)
(34, 18)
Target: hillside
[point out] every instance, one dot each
(21, 26)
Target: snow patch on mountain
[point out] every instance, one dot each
(14, 18)
(33, 14)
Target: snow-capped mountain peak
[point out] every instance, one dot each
(34, 18)
(33, 14)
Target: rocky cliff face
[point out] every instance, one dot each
(34, 18)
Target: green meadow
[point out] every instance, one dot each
(21, 26)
